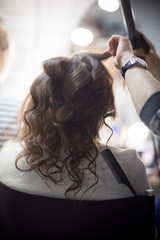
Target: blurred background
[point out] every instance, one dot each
(41, 29)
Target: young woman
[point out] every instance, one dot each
(58, 154)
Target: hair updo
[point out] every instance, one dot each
(63, 114)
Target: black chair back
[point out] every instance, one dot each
(25, 216)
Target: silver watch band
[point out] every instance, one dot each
(132, 62)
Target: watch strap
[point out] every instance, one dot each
(132, 62)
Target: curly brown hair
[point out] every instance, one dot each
(64, 112)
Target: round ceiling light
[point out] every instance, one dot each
(109, 5)
(82, 37)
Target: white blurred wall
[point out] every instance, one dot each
(40, 29)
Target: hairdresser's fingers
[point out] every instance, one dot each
(140, 52)
(152, 59)
(147, 40)
(113, 44)
(119, 45)
(107, 53)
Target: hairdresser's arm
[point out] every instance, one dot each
(141, 84)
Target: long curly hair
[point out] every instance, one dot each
(62, 116)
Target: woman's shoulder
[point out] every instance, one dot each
(123, 152)
(119, 153)
(8, 153)
(132, 166)
(127, 157)
(10, 147)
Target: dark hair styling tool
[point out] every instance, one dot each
(134, 36)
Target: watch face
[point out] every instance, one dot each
(141, 61)
(132, 62)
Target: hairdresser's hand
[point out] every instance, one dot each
(152, 58)
(121, 48)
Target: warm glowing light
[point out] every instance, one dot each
(82, 37)
(138, 132)
(109, 5)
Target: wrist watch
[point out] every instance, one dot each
(135, 61)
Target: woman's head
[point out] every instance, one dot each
(5, 53)
(67, 106)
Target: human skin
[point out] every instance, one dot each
(141, 83)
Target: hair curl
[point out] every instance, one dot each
(63, 113)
